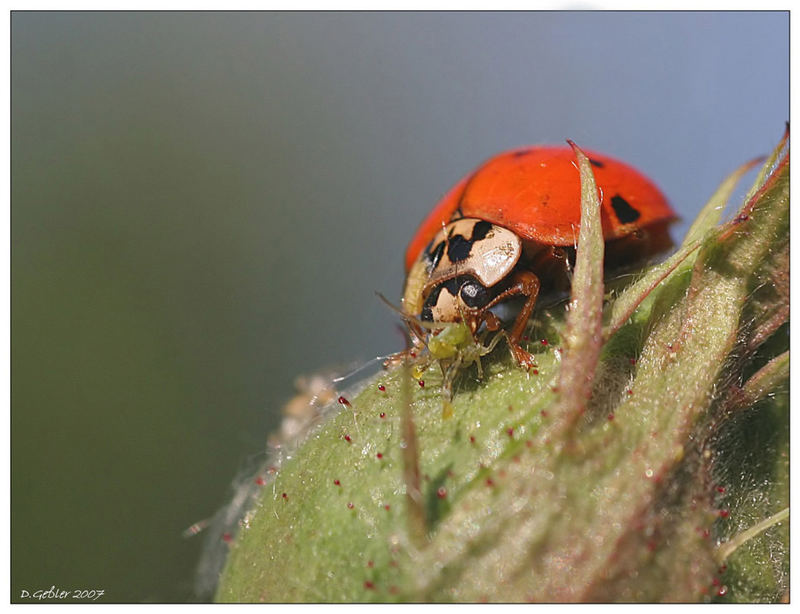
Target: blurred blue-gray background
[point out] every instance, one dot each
(203, 206)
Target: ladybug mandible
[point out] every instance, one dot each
(509, 229)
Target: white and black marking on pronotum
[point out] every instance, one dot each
(457, 245)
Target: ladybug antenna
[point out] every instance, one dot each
(393, 307)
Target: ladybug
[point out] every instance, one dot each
(509, 229)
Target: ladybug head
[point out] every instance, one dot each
(456, 274)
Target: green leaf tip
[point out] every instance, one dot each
(582, 338)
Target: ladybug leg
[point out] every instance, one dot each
(493, 323)
(526, 284)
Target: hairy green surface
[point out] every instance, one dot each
(628, 466)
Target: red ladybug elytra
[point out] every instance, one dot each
(509, 229)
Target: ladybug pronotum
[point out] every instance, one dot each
(509, 229)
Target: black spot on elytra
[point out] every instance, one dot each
(596, 163)
(623, 210)
(521, 152)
